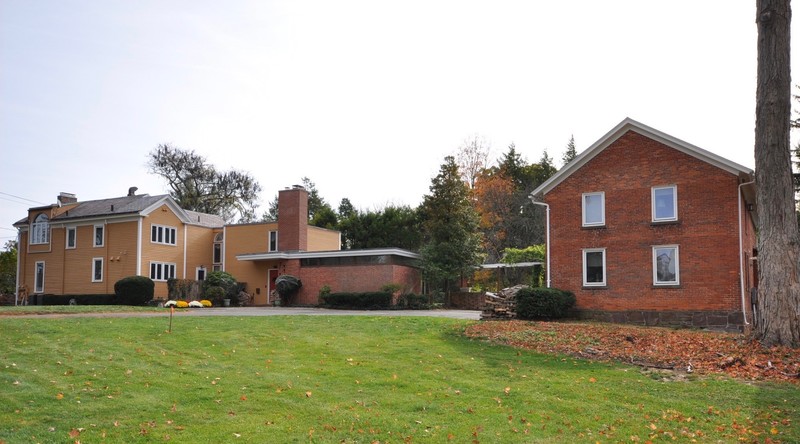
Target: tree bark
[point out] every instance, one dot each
(777, 317)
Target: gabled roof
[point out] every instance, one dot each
(141, 204)
(631, 125)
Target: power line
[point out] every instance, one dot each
(23, 198)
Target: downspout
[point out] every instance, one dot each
(16, 278)
(547, 235)
(741, 253)
(139, 248)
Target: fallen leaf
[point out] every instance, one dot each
(308, 394)
(60, 396)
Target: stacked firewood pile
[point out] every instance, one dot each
(503, 304)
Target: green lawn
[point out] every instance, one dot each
(347, 379)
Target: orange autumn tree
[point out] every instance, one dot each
(494, 200)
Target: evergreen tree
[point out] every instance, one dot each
(452, 240)
(570, 152)
(8, 268)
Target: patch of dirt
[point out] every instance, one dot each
(668, 352)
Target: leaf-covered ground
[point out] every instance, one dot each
(681, 351)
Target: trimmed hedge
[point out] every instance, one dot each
(413, 301)
(134, 290)
(544, 303)
(362, 301)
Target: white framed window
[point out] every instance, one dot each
(97, 269)
(161, 271)
(99, 235)
(217, 258)
(273, 241)
(665, 203)
(38, 277)
(594, 267)
(666, 265)
(200, 273)
(594, 209)
(40, 230)
(72, 237)
(216, 268)
(162, 234)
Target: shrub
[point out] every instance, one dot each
(216, 295)
(134, 290)
(182, 304)
(391, 288)
(413, 301)
(366, 300)
(206, 303)
(544, 303)
(185, 289)
(224, 280)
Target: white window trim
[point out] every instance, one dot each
(197, 273)
(677, 280)
(583, 268)
(269, 241)
(213, 258)
(35, 276)
(164, 230)
(40, 230)
(102, 238)
(102, 266)
(674, 203)
(163, 266)
(602, 222)
(66, 238)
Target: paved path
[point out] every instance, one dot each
(272, 311)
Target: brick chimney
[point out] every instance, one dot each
(66, 198)
(293, 219)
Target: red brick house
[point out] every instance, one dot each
(646, 228)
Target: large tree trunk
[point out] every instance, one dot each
(777, 319)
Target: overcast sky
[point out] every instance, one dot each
(366, 98)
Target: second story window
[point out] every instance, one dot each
(273, 241)
(160, 234)
(40, 230)
(665, 203)
(594, 209)
(72, 237)
(99, 235)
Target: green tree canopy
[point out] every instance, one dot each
(452, 240)
(393, 226)
(8, 268)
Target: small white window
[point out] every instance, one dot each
(40, 230)
(99, 235)
(594, 267)
(273, 241)
(201, 273)
(594, 209)
(97, 269)
(665, 203)
(666, 265)
(161, 271)
(38, 278)
(160, 234)
(72, 237)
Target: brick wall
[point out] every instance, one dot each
(350, 278)
(706, 232)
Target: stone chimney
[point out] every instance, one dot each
(293, 219)
(66, 198)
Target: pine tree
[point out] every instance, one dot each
(452, 241)
(570, 153)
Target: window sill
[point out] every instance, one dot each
(656, 223)
(593, 227)
(667, 287)
(594, 287)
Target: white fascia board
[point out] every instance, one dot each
(170, 202)
(629, 124)
(324, 254)
(94, 220)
